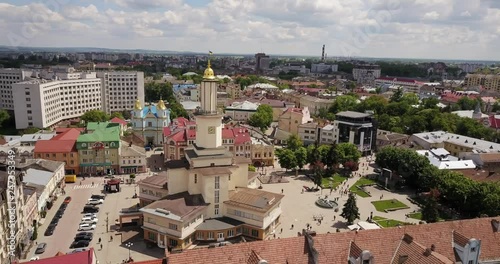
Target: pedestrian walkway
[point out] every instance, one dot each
(86, 186)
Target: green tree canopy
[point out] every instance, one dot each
(350, 212)
(286, 158)
(344, 103)
(347, 152)
(262, 118)
(293, 142)
(95, 116)
(117, 114)
(4, 116)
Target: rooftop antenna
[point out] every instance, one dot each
(323, 54)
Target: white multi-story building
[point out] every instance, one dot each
(327, 134)
(43, 103)
(324, 68)
(470, 67)
(366, 73)
(7, 78)
(121, 89)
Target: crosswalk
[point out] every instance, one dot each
(85, 186)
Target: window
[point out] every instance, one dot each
(151, 220)
(216, 210)
(173, 242)
(200, 236)
(255, 233)
(217, 182)
(471, 261)
(210, 235)
(366, 261)
(195, 178)
(172, 226)
(230, 233)
(152, 236)
(472, 249)
(216, 196)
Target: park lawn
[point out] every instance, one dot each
(337, 180)
(383, 205)
(385, 223)
(417, 215)
(362, 181)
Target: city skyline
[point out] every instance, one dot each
(442, 29)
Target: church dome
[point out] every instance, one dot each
(161, 105)
(137, 105)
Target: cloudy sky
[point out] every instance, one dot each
(446, 29)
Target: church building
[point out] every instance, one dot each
(208, 195)
(150, 121)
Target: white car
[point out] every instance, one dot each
(95, 201)
(90, 215)
(89, 220)
(35, 258)
(86, 227)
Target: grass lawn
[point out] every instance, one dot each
(384, 222)
(417, 215)
(383, 205)
(362, 181)
(337, 180)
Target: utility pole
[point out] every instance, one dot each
(107, 222)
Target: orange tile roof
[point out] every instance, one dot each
(70, 134)
(118, 120)
(55, 146)
(384, 245)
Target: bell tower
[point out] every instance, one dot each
(208, 119)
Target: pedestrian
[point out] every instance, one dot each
(282, 191)
(99, 240)
(334, 217)
(111, 238)
(292, 226)
(281, 230)
(101, 246)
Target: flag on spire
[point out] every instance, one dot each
(210, 52)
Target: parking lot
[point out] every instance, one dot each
(113, 251)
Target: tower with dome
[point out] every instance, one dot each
(148, 121)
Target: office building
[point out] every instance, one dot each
(121, 89)
(262, 62)
(488, 82)
(7, 78)
(357, 128)
(366, 74)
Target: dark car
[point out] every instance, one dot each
(59, 213)
(80, 244)
(86, 238)
(67, 200)
(49, 231)
(40, 248)
(97, 197)
(90, 209)
(84, 234)
(63, 206)
(54, 221)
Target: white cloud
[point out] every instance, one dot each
(387, 28)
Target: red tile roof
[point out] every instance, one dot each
(241, 135)
(60, 130)
(156, 261)
(55, 146)
(167, 131)
(383, 244)
(118, 120)
(398, 79)
(84, 257)
(227, 133)
(70, 134)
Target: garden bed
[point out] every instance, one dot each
(357, 188)
(389, 205)
(385, 222)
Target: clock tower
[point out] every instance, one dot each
(208, 119)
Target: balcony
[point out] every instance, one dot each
(203, 112)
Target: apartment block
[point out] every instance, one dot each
(489, 82)
(7, 78)
(43, 103)
(121, 89)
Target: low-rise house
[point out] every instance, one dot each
(308, 133)
(241, 111)
(262, 153)
(453, 143)
(88, 257)
(442, 160)
(132, 159)
(315, 104)
(291, 118)
(30, 205)
(327, 134)
(279, 136)
(388, 138)
(123, 124)
(61, 148)
(47, 176)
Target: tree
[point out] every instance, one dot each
(35, 232)
(4, 115)
(350, 212)
(318, 169)
(301, 157)
(31, 130)
(117, 114)
(397, 96)
(293, 142)
(344, 103)
(94, 116)
(430, 212)
(262, 118)
(347, 152)
(126, 114)
(286, 158)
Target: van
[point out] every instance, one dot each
(70, 178)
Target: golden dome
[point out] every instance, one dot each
(209, 73)
(161, 105)
(138, 105)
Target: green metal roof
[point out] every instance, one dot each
(101, 132)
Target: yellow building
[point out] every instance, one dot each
(152, 189)
(489, 82)
(262, 153)
(292, 118)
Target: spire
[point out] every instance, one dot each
(209, 73)
(137, 105)
(161, 105)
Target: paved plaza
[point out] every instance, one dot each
(299, 208)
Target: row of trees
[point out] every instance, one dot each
(156, 91)
(400, 115)
(100, 116)
(470, 198)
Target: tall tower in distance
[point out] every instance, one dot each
(323, 54)
(208, 119)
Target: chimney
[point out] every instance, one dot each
(407, 238)
(427, 252)
(130, 144)
(433, 247)
(402, 259)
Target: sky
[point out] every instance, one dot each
(440, 29)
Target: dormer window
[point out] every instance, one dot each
(366, 261)
(472, 249)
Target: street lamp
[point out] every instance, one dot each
(129, 244)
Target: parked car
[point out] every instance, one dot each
(78, 250)
(67, 199)
(54, 221)
(86, 227)
(35, 258)
(377, 170)
(97, 197)
(95, 201)
(90, 215)
(40, 248)
(86, 238)
(89, 220)
(80, 244)
(90, 209)
(84, 234)
(59, 213)
(63, 206)
(50, 230)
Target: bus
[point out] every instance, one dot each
(70, 179)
